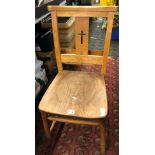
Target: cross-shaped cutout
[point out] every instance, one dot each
(82, 34)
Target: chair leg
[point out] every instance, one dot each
(102, 138)
(46, 125)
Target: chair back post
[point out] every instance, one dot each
(81, 53)
(107, 42)
(56, 40)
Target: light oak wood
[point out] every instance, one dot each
(107, 42)
(81, 25)
(82, 14)
(82, 11)
(74, 121)
(73, 51)
(56, 40)
(82, 8)
(82, 30)
(81, 59)
(83, 92)
(73, 96)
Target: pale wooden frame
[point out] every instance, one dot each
(82, 11)
(85, 11)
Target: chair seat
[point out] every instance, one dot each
(76, 93)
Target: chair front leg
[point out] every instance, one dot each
(102, 138)
(46, 125)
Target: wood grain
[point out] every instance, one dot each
(73, 96)
(82, 8)
(83, 92)
(81, 59)
(56, 40)
(73, 51)
(82, 24)
(107, 42)
(81, 14)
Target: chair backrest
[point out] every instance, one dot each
(81, 55)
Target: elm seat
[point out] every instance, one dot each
(76, 93)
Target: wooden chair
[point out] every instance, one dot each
(76, 96)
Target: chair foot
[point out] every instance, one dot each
(46, 125)
(102, 138)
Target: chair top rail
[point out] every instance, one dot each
(83, 8)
